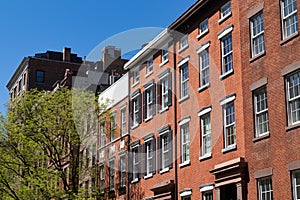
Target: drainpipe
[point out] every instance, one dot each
(128, 138)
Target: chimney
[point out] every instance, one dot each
(67, 54)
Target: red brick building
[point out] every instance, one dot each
(217, 94)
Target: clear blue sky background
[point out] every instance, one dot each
(35, 26)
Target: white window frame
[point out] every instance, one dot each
(262, 112)
(184, 82)
(102, 134)
(136, 76)
(294, 184)
(164, 55)
(262, 188)
(184, 42)
(101, 188)
(204, 68)
(149, 102)
(185, 143)
(205, 197)
(135, 111)
(135, 163)
(205, 133)
(165, 155)
(123, 121)
(123, 171)
(227, 125)
(164, 92)
(257, 23)
(149, 157)
(112, 175)
(225, 10)
(294, 99)
(112, 126)
(227, 54)
(286, 17)
(203, 27)
(149, 68)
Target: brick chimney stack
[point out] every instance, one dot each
(67, 54)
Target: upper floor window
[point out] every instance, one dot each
(296, 184)
(112, 126)
(136, 110)
(204, 68)
(184, 80)
(203, 27)
(289, 18)
(293, 98)
(102, 134)
(226, 46)
(185, 142)
(123, 171)
(225, 10)
(94, 152)
(123, 121)
(101, 174)
(205, 135)
(149, 102)
(164, 91)
(40, 76)
(136, 76)
(111, 175)
(149, 152)
(165, 55)
(165, 150)
(257, 34)
(136, 164)
(207, 195)
(183, 42)
(265, 191)
(261, 112)
(149, 67)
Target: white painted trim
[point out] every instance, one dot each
(185, 163)
(206, 188)
(225, 32)
(186, 193)
(184, 121)
(227, 100)
(203, 112)
(183, 61)
(203, 47)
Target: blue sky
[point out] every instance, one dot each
(35, 26)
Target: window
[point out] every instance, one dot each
(229, 126)
(183, 42)
(136, 164)
(102, 179)
(24, 79)
(87, 157)
(261, 112)
(136, 76)
(86, 187)
(165, 55)
(149, 102)
(226, 46)
(257, 34)
(184, 81)
(165, 150)
(112, 126)
(19, 85)
(205, 135)
(111, 175)
(203, 27)
(149, 152)
(136, 111)
(289, 18)
(149, 67)
(94, 154)
(296, 184)
(164, 92)
(40, 76)
(226, 10)
(102, 134)
(207, 195)
(122, 171)
(123, 121)
(293, 96)
(204, 68)
(185, 143)
(265, 191)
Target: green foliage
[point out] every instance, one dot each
(42, 137)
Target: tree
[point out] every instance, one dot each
(41, 143)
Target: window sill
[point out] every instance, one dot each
(261, 137)
(223, 76)
(185, 163)
(183, 99)
(135, 126)
(286, 40)
(204, 87)
(148, 176)
(229, 148)
(164, 62)
(135, 84)
(165, 170)
(220, 21)
(183, 48)
(163, 110)
(148, 118)
(202, 34)
(134, 181)
(257, 56)
(292, 127)
(205, 157)
(148, 74)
